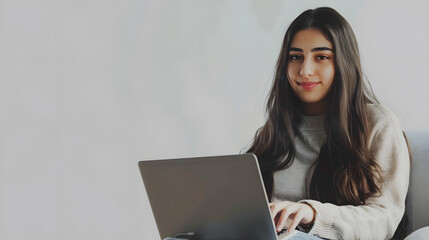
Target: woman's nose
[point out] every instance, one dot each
(307, 68)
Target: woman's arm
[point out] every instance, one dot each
(380, 216)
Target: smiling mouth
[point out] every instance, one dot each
(308, 85)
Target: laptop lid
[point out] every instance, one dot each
(219, 197)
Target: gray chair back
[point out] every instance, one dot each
(417, 203)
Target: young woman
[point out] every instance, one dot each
(335, 163)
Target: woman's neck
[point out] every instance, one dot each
(317, 108)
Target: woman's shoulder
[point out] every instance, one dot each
(379, 114)
(386, 141)
(381, 118)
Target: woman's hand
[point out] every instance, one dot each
(289, 214)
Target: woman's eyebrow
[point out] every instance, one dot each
(316, 49)
(295, 49)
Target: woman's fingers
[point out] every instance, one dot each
(276, 207)
(289, 214)
(296, 220)
(284, 216)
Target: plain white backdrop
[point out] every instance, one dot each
(89, 88)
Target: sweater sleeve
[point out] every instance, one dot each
(380, 216)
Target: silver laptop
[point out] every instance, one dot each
(209, 198)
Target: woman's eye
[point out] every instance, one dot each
(322, 57)
(295, 57)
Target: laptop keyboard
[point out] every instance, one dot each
(282, 231)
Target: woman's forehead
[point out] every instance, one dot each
(309, 39)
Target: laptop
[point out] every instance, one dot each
(209, 198)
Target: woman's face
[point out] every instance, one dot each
(311, 70)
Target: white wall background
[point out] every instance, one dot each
(89, 88)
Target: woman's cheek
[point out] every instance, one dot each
(328, 74)
(293, 72)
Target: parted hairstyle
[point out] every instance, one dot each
(344, 172)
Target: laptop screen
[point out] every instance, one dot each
(220, 197)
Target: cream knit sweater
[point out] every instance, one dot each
(379, 218)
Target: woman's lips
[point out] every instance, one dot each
(308, 85)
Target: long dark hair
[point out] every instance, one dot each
(344, 172)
